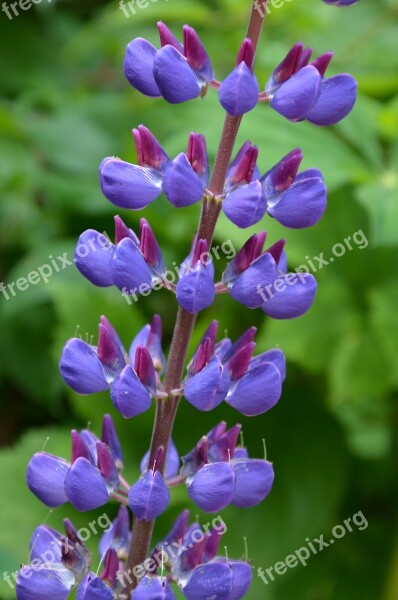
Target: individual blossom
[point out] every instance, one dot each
(189, 555)
(149, 496)
(195, 289)
(294, 199)
(87, 481)
(215, 477)
(133, 264)
(88, 369)
(178, 72)
(300, 91)
(258, 279)
(57, 563)
(227, 371)
(238, 93)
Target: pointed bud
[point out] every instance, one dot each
(246, 54)
(111, 567)
(110, 349)
(215, 433)
(149, 246)
(284, 173)
(79, 447)
(201, 248)
(106, 465)
(167, 38)
(224, 448)
(276, 250)
(289, 65)
(322, 62)
(243, 172)
(110, 438)
(245, 257)
(240, 361)
(149, 152)
(211, 547)
(196, 54)
(202, 357)
(122, 231)
(197, 156)
(244, 339)
(143, 366)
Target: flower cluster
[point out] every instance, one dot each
(217, 472)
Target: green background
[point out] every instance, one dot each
(333, 436)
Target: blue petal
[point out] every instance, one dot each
(212, 488)
(129, 269)
(129, 395)
(44, 539)
(93, 588)
(253, 481)
(149, 497)
(242, 574)
(295, 98)
(239, 91)
(93, 256)
(181, 184)
(46, 476)
(337, 99)
(275, 356)
(138, 67)
(81, 368)
(175, 78)
(247, 286)
(208, 388)
(296, 296)
(212, 580)
(85, 487)
(246, 205)
(43, 584)
(257, 391)
(196, 291)
(303, 204)
(127, 185)
(153, 588)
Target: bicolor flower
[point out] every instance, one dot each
(195, 289)
(216, 478)
(133, 264)
(195, 566)
(258, 279)
(300, 91)
(149, 496)
(238, 93)
(178, 72)
(58, 563)
(87, 481)
(88, 369)
(228, 372)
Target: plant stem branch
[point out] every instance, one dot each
(166, 409)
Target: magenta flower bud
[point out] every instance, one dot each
(243, 171)
(150, 249)
(150, 336)
(149, 152)
(110, 348)
(238, 93)
(197, 156)
(111, 567)
(240, 361)
(167, 38)
(322, 62)
(249, 252)
(172, 465)
(79, 448)
(143, 366)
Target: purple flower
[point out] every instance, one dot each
(238, 93)
(89, 369)
(215, 477)
(228, 372)
(117, 537)
(153, 588)
(149, 496)
(87, 481)
(135, 186)
(132, 264)
(259, 280)
(195, 289)
(299, 90)
(295, 200)
(105, 587)
(57, 563)
(178, 72)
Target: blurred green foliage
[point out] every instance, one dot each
(333, 438)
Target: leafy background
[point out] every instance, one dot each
(333, 437)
